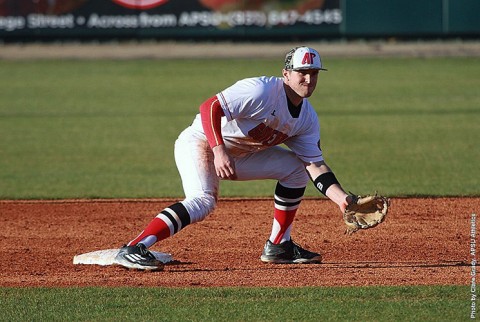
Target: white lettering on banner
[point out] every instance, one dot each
(249, 18)
(282, 18)
(37, 21)
(195, 18)
(12, 23)
(156, 21)
(185, 19)
(259, 18)
(96, 21)
(318, 17)
(311, 17)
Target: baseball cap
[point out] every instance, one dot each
(299, 58)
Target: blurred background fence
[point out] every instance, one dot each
(247, 20)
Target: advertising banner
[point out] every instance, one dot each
(169, 19)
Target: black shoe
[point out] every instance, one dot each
(138, 257)
(288, 253)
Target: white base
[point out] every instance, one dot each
(106, 257)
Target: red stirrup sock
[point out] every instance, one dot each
(167, 223)
(287, 201)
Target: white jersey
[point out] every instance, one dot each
(257, 117)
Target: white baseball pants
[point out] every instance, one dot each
(194, 160)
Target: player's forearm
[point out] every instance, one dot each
(316, 169)
(325, 181)
(339, 196)
(211, 113)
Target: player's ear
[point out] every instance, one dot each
(286, 73)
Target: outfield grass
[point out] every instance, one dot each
(70, 129)
(436, 303)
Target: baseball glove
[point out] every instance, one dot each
(365, 212)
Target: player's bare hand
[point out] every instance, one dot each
(344, 204)
(224, 163)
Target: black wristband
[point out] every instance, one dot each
(324, 181)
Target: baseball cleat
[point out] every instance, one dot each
(138, 257)
(288, 253)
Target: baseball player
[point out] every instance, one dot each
(236, 136)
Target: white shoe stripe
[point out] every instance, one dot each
(133, 257)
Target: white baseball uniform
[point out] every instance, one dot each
(257, 120)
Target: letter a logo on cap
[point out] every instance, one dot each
(308, 58)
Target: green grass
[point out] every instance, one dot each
(435, 303)
(69, 129)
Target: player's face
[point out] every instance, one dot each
(302, 82)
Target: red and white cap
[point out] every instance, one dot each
(303, 58)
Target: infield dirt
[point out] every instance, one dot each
(424, 241)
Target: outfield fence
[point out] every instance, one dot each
(278, 20)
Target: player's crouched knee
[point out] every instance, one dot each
(199, 207)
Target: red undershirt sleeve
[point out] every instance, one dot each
(211, 113)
